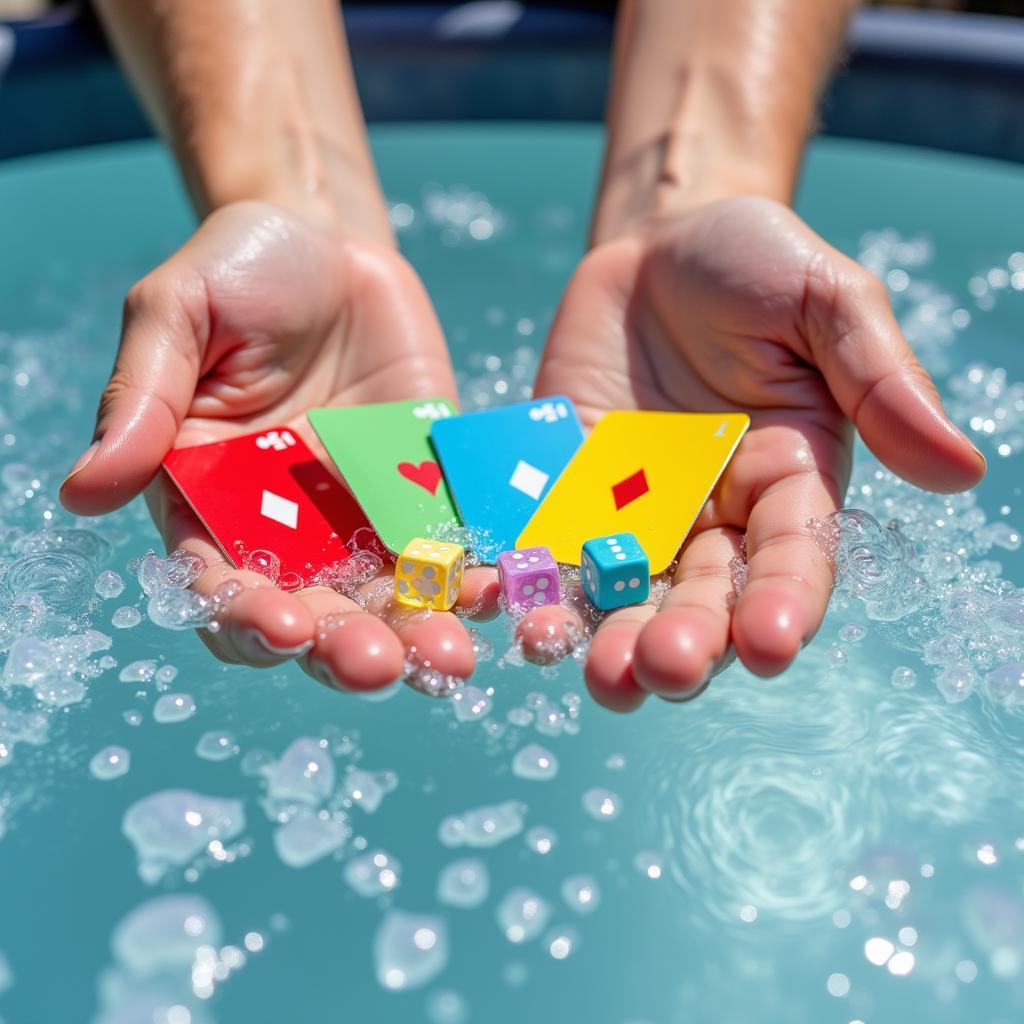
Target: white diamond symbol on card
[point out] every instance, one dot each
(528, 479)
(281, 510)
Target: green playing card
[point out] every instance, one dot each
(385, 456)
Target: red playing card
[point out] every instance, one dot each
(268, 492)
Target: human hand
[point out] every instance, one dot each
(257, 319)
(738, 305)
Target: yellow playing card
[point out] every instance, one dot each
(646, 473)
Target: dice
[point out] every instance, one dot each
(528, 578)
(615, 571)
(428, 574)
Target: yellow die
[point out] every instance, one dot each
(428, 574)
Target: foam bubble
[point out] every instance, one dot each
(409, 950)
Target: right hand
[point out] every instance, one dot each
(257, 319)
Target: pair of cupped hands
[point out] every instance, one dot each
(735, 305)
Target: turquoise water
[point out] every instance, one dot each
(832, 846)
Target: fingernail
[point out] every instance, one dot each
(83, 460)
(264, 646)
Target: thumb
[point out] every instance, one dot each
(877, 381)
(163, 335)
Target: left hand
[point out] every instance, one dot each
(738, 305)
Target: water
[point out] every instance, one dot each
(843, 843)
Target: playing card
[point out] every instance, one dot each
(267, 491)
(384, 453)
(646, 473)
(501, 463)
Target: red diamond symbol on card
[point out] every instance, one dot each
(628, 490)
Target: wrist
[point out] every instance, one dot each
(715, 146)
(311, 177)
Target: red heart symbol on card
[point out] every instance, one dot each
(427, 474)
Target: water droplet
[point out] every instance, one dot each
(410, 950)
(602, 804)
(110, 763)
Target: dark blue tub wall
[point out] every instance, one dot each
(952, 82)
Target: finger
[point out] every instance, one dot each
(478, 598)
(688, 640)
(260, 625)
(352, 648)
(548, 634)
(148, 395)
(789, 578)
(609, 669)
(878, 382)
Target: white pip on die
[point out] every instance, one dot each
(615, 571)
(528, 578)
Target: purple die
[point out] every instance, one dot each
(528, 578)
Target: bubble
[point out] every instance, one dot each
(30, 662)
(903, 678)
(166, 674)
(852, 633)
(217, 745)
(181, 609)
(180, 569)
(541, 839)
(138, 671)
(126, 617)
(955, 682)
(483, 826)
(535, 763)
(616, 762)
(581, 893)
(367, 789)
(108, 584)
(373, 874)
(602, 804)
(170, 828)
(6, 974)
(1004, 685)
(132, 716)
(164, 933)
(522, 915)
(266, 563)
(110, 763)
(650, 864)
(410, 950)
(309, 836)
(470, 704)
(173, 707)
(304, 773)
(464, 883)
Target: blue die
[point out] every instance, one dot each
(615, 571)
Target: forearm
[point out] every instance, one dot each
(711, 98)
(257, 100)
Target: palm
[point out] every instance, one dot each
(268, 317)
(730, 308)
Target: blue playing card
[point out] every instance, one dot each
(501, 463)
